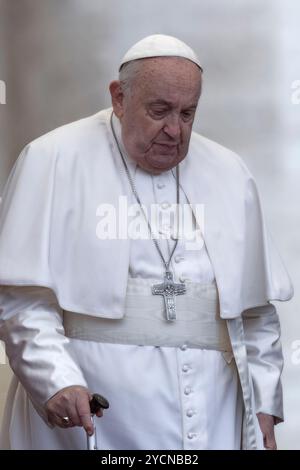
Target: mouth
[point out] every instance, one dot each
(165, 144)
(164, 148)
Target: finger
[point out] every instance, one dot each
(84, 413)
(61, 408)
(73, 415)
(58, 421)
(72, 411)
(69, 424)
(54, 415)
(270, 442)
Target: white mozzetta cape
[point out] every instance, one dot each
(48, 222)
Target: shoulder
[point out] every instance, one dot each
(217, 158)
(69, 138)
(63, 151)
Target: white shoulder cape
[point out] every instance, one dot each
(48, 222)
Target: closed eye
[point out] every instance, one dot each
(158, 113)
(187, 115)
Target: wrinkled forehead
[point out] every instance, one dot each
(168, 78)
(167, 67)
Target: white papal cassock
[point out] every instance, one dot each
(160, 397)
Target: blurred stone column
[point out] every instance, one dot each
(5, 165)
(4, 131)
(57, 68)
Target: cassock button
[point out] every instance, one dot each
(189, 413)
(178, 258)
(190, 435)
(187, 390)
(165, 205)
(160, 185)
(183, 347)
(185, 368)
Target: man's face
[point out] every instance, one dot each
(157, 111)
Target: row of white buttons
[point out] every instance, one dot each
(187, 390)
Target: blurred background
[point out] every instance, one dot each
(57, 58)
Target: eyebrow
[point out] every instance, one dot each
(168, 103)
(160, 102)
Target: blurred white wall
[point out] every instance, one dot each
(57, 58)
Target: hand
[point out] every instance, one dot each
(266, 423)
(73, 402)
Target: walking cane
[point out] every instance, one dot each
(97, 402)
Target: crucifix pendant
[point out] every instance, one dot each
(169, 289)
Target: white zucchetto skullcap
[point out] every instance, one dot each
(160, 45)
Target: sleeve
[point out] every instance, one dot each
(265, 358)
(38, 351)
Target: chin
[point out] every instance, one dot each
(162, 164)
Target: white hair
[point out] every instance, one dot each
(128, 73)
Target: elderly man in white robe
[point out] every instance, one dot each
(179, 333)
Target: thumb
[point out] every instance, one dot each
(269, 441)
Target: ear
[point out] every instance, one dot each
(117, 97)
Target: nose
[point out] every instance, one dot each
(172, 127)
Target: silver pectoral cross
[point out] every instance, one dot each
(169, 289)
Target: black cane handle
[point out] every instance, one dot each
(97, 402)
